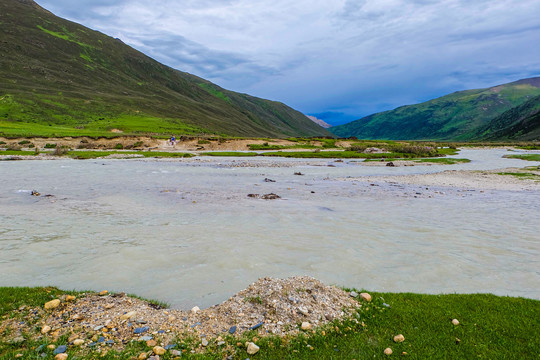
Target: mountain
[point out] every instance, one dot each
(319, 121)
(519, 123)
(463, 115)
(61, 78)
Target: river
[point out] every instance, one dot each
(185, 231)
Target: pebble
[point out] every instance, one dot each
(128, 315)
(204, 342)
(62, 356)
(52, 304)
(51, 347)
(255, 327)
(399, 338)
(354, 294)
(145, 338)
(455, 322)
(141, 330)
(151, 343)
(306, 325)
(19, 356)
(103, 293)
(158, 350)
(99, 327)
(142, 356)
(365, 297)
(388, 351)
(45, 329)
(60, 349)
(252, 348)
(195, 309)
(175, 352)
(70, 298)
(232, 330)
(78, 342)
(302, 310)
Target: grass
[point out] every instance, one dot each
(491, 327)
(445, 161)
(528, 157)
(522, 175)
(82, 155)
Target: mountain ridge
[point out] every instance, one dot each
(457, 116)
(59, 74)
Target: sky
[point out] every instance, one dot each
(338, 60)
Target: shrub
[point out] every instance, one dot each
(50, 146)
(119, 146)
(24, 142)
(202, 142)
(61, 150)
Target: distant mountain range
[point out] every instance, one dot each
(504, 112)
(319, 121)
(61, 78)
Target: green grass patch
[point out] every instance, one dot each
(528, 157)
(445, 161)
(522, 175)
(230, 153)
(490, 327)
(84, 155)
(17, 152)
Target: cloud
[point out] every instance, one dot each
(346, 56)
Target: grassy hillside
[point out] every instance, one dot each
(458, 116)
(519, 123)
(60, 78)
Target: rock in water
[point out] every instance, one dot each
(52, 304)
(252, 348)
(399, 338)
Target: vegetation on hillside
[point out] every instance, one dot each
(461, 116)
(59, 78)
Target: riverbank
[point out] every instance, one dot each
(115, 326)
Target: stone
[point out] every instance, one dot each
(195, 309)
(70, 298)
(142, 356)
(109, 306)
(51, 347)
(62, 356)
(45, 329)
(252, 348)
(19, 356)
(141, 330)
(232, 330)
(128, 315)
(103, 293)
(158, 350)
(353, 294)
(302, 310)
(60, 349)
(171, 318)
(399, 338)
(151, 343)
(99, 327)
(365, 297)
(388, 351)
(255, 327)
(175, 352)
(306, 325)
(53, 304)
(78, 342)
(204, 342)
(455, 322)
(390, 164)
(145, 338)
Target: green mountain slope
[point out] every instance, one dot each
(458, 116)
(60, 78)
(519, 123)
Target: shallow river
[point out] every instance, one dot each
(185, 232)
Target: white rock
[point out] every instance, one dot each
(45, 329)
(128, 315)
(195, 310)
(78, 342)
(204, 342)
(303, 310)
(399, 338)
(158, 350)
(388, 351)
(306, 325)
(252, 348)
(455, 322)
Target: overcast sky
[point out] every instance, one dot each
(335, 59)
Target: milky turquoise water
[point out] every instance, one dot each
(186, 232)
